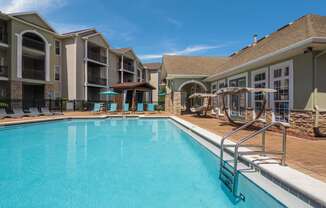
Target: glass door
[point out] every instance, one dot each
(237, 103)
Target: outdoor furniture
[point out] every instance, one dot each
(206, 103)
(126, 107)
(140, 107)
(18, 112)
(96, 108)
(150, 107)
(3, 113)
(45, 111)
(113, 108)
(34, 111)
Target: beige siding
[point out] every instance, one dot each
(154, 81)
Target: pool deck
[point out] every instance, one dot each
(306, 156)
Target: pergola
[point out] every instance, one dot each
(134, 87)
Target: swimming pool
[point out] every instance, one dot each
(113, 163)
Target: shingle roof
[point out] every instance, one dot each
(191, 65)
(152, 66)
(133, 85)
(303, 28)
(121, 50)
(78, 31)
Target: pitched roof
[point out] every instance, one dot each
(33, 18)
(79, 31)
(121, 50)
(191, 65)
(152, 66)
(303, 28)
(142, 86)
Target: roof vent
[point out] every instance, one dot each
(254, 41)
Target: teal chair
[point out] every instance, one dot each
(126, 107)
(113, 107)
(97, 107)
(150, 107)
(140, 107)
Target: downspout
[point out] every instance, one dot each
(317, 131)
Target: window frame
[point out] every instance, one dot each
(282, 65)
(253, 82)
(55, 47)
(55, 72)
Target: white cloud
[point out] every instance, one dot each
(174, 22)
(11, 6)
(186, 51)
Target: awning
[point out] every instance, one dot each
(237, 90)
(138, 86)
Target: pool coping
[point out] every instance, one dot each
(308, 189)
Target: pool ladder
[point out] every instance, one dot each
(229, 168)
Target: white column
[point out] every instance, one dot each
(121, 68)
(19, 56)
(135, 71)
(107, 68)
(47, 62)
(85, 71)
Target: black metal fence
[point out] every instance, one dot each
(63, 104)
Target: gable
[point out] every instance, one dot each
(35, 19)
(98, 40)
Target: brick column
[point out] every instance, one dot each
(177, 103)
(16, 93)
(49, 89)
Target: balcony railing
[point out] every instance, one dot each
(3, 37)
(128, 67)
(29, 73)
(3, 71)
(34, 44)
(96, 56)
(96, 80)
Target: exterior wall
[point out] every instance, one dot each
(69, 69)
(154, 81)
(114, 67)
(80, 69)
(321, 82)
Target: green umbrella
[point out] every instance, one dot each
(109, 93)
(161, 94)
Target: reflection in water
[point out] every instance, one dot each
(71, 149)
(154, 126)
(85, 140)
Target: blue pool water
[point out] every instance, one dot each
(112, 163)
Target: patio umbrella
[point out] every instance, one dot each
(109, 93)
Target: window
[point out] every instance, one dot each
(259, 80)
(281, 81)
(57, 48)
(238, 103)
(213, 87)
(57, 72)
(218, 102)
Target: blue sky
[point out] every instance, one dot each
(182, 27)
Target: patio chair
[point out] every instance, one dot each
(126, 107)
(140, 107)
(150, 107)
(3, 113)
(34, 111)
(96, 108)
(45, 111)
(18, 112)
(113, 108)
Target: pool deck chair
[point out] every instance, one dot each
(151, 107)
(45, 111)
(140, 107)
(3, 113)
(96, 108)
(18, 112)
(34, 111)
(126, 107)
(113, 108)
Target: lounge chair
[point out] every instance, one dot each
(126, 107)
(18, 112)
(97, 108)
(201, 110)
(150, 107)
(113, 108)
(45, 111)
(3, 113)
(34, 112)
(140, 107)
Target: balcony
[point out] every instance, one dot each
(3, 32)
(3, 71)
(96, 56)
(33, 44)
(30, 73)
(33, 67)
(97, 80)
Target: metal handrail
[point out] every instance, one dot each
(233, 133)
(263, 130)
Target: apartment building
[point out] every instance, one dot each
(85, 66)
(291, 60)
(28, 59)
(154, 70)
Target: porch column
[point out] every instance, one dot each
(85, 70)
(121, 68)
(177, 103)
(19, 56)
(47, 62)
